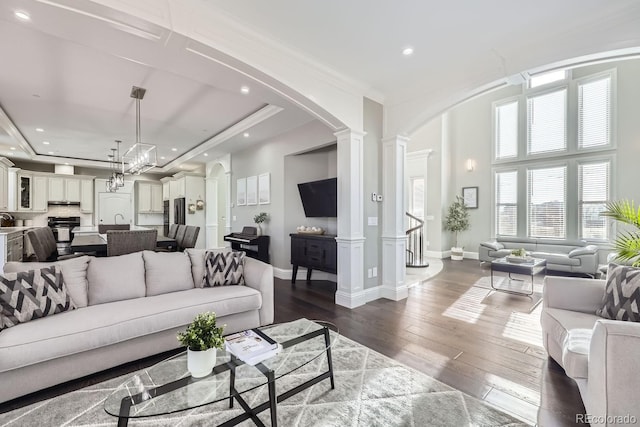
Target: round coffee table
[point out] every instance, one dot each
(167, 387)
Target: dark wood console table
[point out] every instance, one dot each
(315, 252)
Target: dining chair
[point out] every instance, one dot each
(182, 229)
(103, 228)
(44, 245)
(121, 242)
(173, 229)
(190, 238)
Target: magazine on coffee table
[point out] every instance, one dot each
(251, 346)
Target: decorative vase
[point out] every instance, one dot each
(201, 363)
(457, 254)
(259, 231)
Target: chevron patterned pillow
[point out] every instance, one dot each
(223, 268)
(621, 299)
(32, 294)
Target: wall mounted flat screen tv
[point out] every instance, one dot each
(319, 198)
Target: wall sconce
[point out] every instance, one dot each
(471, 165)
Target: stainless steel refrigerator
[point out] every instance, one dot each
(179, 211)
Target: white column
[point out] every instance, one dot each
(350, 240)
(211, 191)
(394, 239)
(227, 215)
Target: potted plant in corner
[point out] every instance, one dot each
(627, 243)
(259, 219)
(457, 220)
(202, 338)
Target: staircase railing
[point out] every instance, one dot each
(415, 242)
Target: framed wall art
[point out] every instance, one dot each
(264, 189)
(470, 197)
(241, 192)
(252, 190)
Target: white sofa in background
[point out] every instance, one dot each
(562, 255)
(601, 355)
(129, 307)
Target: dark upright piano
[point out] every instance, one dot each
(250, 243)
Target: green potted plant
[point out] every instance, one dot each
(202, 338)
(457, 220)
(627, 243)
(259, 219)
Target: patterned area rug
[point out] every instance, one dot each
(371, 390)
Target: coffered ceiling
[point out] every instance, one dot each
(70, 68)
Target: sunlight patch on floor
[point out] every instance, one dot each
(467, 307)
(519, 327)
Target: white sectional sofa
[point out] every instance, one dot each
(601, 355)
(562, 255)
(129, 307)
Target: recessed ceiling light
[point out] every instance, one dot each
(50, 152)
(46, 142)
(245, 90)
(246, 134)
(174, 149)
(66, 163)
(161, 157)
(39, 130)
(22, 15)
(206, 154)
(13, 148)
(407, 51)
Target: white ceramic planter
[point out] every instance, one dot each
(457, 254)
(201, 363)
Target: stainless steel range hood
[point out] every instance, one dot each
(61, 203)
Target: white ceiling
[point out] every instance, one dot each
(71, 74)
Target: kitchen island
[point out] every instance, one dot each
(14, 244)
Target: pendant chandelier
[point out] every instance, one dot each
(116, 178)
(140, 157)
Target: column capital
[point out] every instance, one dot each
(349, 131)
(396, 138)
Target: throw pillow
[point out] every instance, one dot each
(223, 268)
(167, 272)
(32, 294)
(621, 299)
(74, 271)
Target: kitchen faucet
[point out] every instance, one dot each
(115, 218)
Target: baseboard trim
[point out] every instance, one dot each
(351, 300)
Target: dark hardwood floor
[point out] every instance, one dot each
(487, 345)
(450, 327)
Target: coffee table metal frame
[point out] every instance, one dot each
(530, 268)
(128, 402)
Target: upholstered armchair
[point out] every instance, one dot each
(601, 355)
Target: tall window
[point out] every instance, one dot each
(506, 130)
(506, 203)
(547, 122)
(594, 192)
(594, 113)
(546, 202)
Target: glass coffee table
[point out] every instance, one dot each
(529, 267)
(167, 387)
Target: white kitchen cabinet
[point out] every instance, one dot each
(178, 188)
(166, 190)
(149, 197)
(56, 189)
(86, 196)
(40, 193)
(64, 189)
(4, 183)
(72, 189)
(25, 192)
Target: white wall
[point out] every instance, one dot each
(270, 157)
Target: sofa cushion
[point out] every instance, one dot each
(494, 246)
(575, 353)
(501, 253)
(558, 322)
(74, 271)
(556, 258)
(32, 294)
(167, 272)
(96, 326)
(116, 278)
(197, 263)
(621, 298)
(224, 268)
